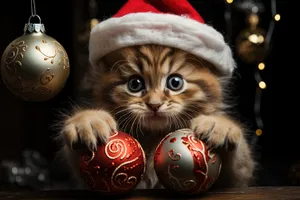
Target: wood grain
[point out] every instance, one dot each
(253, 193)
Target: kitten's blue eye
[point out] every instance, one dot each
(136, 84)
(175, 82)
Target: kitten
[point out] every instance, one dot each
(151, 90)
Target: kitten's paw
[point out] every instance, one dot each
(217, 131)
(87, 128)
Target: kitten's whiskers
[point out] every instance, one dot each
(127, 121)
(132, 130)
(124, 118)
(126, 109)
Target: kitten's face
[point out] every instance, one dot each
(155, 87)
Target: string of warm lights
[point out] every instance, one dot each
(261, 84)
(261, 66)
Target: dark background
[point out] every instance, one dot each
(26, 125)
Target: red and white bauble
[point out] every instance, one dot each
(116, 167)
(184, 164)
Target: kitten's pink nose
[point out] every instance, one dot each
(154, 107)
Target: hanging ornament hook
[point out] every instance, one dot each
(33, 12)
(34, 27)
(29, 20)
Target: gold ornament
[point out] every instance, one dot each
(35, 66)
(250, 42)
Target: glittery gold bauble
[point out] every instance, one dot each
(35, 67)
(250, 45)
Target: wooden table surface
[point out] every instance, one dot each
(253, 193)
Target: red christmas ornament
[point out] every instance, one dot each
(183, 163)
(116, 167)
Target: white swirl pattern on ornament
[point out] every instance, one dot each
(116, 147)
(130, 181)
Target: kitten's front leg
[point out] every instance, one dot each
(85, 130)
(223, 134)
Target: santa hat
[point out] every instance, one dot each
(173, 23)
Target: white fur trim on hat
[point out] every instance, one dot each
(163, 29)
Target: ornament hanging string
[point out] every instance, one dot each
(33, 8)
(271, 25)
(33, 12)
(257, 76)
(261, 84)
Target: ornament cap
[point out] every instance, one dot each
(34, 27)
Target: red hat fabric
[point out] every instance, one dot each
(177, 7)
(173, 23)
